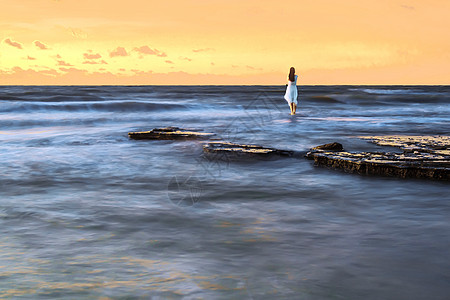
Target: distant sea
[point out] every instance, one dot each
(87, 213)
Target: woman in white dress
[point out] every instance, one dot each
(291, 91)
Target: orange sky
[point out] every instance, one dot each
(224, 41)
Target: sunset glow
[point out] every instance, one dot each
(224, 42)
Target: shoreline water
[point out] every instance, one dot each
(86, 212)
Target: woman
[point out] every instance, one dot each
(291, 91)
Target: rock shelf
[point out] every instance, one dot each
(423, 157)
(236, 150)
(439, 145)
(169, 133)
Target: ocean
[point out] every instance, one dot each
(87, 213)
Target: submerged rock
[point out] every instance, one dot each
(168, 133)
(423, 157)
(226, 150)
(330, 147)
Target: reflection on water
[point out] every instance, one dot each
(105, 275)
(86, 213)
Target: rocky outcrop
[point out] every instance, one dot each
(439, 145)
(330, 147)
(231, 150)
(423, 157)
(169, 133)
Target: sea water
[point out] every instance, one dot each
(86, 213)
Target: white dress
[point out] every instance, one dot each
(291, 92)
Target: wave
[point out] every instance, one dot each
(49, 97)
(163, 98)
(387, 91)
(13, 214)
(107, 106)
(323, 99)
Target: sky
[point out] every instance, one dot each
(244, 42)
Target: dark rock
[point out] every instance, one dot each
(169, 133)
(424, 157)
(227, 150)
(330, 147)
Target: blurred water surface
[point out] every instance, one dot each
(87, 213)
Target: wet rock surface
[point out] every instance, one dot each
(422, 157)
(330, 147)
(169, 133)
(227, 150)
(439, 145)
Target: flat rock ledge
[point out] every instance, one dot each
(425, 157)
(330, 147)
(227, 150)
(433, 144)
(169, 133)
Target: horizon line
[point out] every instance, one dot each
(368, 84)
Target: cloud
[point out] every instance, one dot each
(13, 43)
(73, 70)
(185, 58)
(40, 45)
(253, 68)
(78, 33)
(93, 62)
(408, 7)
(31, 58)
(63, 63)
(23, 74)
(149, 51)
(75, 76)
(50, 72)
(169, 62)
(92, 56)
(119, 51)
(141, 73)
(93, 59)
(203, 50)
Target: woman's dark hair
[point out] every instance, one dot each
(292, 74)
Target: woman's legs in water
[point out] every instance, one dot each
(295, 108)
(291, 106)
